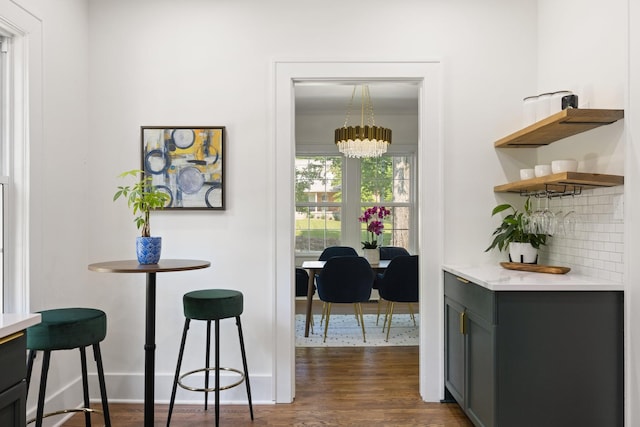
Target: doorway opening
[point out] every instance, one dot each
(332, 191)
(426, 76)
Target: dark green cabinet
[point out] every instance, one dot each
(534, 358)
(13, 390)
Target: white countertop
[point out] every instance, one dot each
(10, 323)
(496, 278)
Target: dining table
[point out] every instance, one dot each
(314, 267)
(150, 270)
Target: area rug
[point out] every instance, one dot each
(344, 331)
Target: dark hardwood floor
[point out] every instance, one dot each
(361, 386)
(372, 386)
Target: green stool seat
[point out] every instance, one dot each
(67, 329)
(211, 305)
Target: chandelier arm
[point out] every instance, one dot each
(349, 107)
(363, 91)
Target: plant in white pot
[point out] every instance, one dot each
(373, 217)
(513, 234)
(141, 198)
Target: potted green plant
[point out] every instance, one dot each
(514, 234)
(141, 198)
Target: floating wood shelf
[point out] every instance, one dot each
(566, 123)
(561, 183)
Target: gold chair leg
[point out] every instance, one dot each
(386, 315)
(413, 316)
(358, 308)
(355, 309)
(326, 324)
(380, 301)
(390, 317)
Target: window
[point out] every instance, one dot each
(318, 195)
(321, 182)
(386, 181)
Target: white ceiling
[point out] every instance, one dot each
(387, 96)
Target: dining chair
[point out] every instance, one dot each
(399, 283)
(390, 252)
(302, 282)
(327, 253)
(387, 253)
(332, 251)
(345, 280)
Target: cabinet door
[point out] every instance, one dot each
(480, 345)
(13, 407)
(454, 369)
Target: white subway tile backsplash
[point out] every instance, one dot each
(597, 246)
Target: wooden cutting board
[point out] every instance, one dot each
(536, 268)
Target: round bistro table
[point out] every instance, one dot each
(132, 266)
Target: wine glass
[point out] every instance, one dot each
(548, 220)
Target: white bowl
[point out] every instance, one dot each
(558, 166)
(527, 174)
(542, 170)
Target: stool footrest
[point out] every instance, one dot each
(186, 387)
(67, 411)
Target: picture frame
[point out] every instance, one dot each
(187, 162)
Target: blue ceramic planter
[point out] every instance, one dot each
(148, 249)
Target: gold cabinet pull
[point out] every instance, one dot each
(463, 328)
(11, 337)
(462, 280)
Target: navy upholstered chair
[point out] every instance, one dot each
(302, 282)
(332, 251)
(399, 283)
(345, 280)
(390, 252)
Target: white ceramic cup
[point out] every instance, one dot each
(527, 174)
(568, 165)
(542, 170)
(529, 110)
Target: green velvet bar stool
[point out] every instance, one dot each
(68, 329)
(212, 305)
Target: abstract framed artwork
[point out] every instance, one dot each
(187, 163)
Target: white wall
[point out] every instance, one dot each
(114, 66)
(584, 46)
(198, 63)
(111, 67)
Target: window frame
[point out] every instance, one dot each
(351, 180)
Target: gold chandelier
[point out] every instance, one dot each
(366, 140)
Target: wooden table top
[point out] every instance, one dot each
(132, 266)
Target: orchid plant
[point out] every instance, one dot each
(373, 217)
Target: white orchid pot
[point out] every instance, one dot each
(372, 255)
(523, 252)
